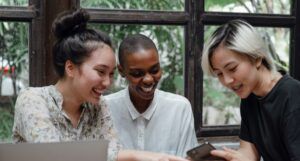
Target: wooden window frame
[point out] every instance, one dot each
(40, 14)
(193, 19)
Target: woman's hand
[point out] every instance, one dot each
(230, 155)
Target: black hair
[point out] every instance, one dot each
(132, 44)
(74, 41)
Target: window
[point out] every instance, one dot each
(273, 18)
(17, 57)
(249, 6)
(14, 3)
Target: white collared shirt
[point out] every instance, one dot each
(166, 126)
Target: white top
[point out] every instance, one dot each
(166, 126)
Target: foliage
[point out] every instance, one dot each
(211, 3)
(6, 122)
(13, 2)
(13, 54)
(14, 51)
(135, 4)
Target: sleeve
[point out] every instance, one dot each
(291, 134)
(188, 137)
(32, 121)
(109, 133)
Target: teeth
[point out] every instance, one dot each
(236, 87)
(97, 90)
(147, 89)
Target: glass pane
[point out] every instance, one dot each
(13, 2)
(220, 105)
(172, 5)
(278, 42)
(249, 6)
(169, 41)
(14, 69)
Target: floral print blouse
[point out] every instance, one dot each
(39, 117)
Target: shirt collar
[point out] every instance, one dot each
(134, 113)
(56, 96)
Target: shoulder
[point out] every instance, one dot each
(32, 102)
(115, 96)
(32, 93)
(172, 99)
(33, 97)
(289, 88)
(290, 85)
(115, 101)
(290, 91)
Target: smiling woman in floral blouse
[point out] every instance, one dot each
(72, 109)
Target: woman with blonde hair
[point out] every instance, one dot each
(270, 106)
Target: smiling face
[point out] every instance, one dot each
(143, 72)
(94, 75)
(235, 71)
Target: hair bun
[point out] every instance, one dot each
(69, 22)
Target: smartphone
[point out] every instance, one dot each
(202, 153)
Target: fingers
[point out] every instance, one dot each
(221, 154)
(229, 150)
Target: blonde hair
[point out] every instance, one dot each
(240, 37)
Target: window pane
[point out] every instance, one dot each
(14, 69)
(13, 2)
(220, 105)
(249, 6)
(278, 42)
(169, 41)
(173, 5)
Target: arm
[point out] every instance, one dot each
(188, 137)
(32, 121)
(246, 152)
(109, 131)
(133, 155)
(248, 149)
(291, 134)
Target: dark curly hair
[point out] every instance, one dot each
(74, 41)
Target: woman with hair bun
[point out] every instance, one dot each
(270, 106)
(73, 108)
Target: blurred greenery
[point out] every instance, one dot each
(211, 3)
(173, 5)
(13, 57)
(6, 120)
(13, 2)
(249, 6)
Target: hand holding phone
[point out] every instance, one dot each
(202, 153)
